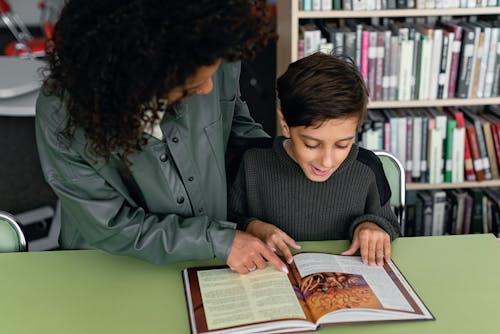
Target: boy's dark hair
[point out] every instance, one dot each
(320, 87)
(112, 60)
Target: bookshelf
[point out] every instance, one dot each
(289, 17)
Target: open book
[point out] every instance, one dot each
(320, 289)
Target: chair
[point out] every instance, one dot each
(395, 174)
(11, 236)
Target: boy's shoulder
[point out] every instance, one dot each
(368, 157)
(264, 155)
(373, 163)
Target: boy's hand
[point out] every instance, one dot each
(248, 253)
(374, 244)
(277, 240)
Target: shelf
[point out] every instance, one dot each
(433, 103)
(425, 186)
(398, 13)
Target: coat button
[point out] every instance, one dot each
(163, 157)
(175, 140)
(191, 179)
(180, 199)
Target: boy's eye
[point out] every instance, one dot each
(342, 147)
(311, 146)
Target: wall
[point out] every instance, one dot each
(27, 10)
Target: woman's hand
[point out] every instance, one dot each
(277, 240)
(249, 253)
(374, 244)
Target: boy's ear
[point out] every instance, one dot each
(285, 130)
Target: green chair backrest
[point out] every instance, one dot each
(11, 236)
(395, 173)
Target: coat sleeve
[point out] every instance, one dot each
(106, 218)
(237, 200)
(245, 133)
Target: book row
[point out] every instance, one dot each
(438, 145)
(315, 5)
(454, 211)
(414, 61)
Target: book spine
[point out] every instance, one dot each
(442, 78)
(417, 144)
(437, 42)
(424, 170)
(483, 65)
(372, 63)
(365, 41)
(475, 153)
(450, 127)
(466, 63)
(490, 67)
(409, 148)
(482, 149)
(476, 70)
(379, 73)
(387, 63)
(395, 59)
(495, 128)
(455, 59)
(458, 159)
(470, 175)
(488, 138)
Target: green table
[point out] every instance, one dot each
(93, 292)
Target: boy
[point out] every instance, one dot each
(316, 183)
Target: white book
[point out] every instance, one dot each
(438, 211)
(316, 4)
(326, 5)
(457, 164)
(492, 57)
(435, 155)
(405, 67)
(425, 65)
(437, 45)
(484, 61)
(430, 4)
(359, 4)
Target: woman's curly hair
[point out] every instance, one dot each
(112, 60)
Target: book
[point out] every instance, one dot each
(320, 289)
(474, 118)
(456, 44)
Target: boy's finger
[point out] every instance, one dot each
(387, 249)
(352, 249)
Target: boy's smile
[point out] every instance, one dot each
(320, 149)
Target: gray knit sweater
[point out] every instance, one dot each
(272, 187)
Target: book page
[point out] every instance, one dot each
(230, 299)
(376, 278)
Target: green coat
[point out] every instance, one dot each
(174, 206)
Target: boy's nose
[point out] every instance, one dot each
(327, 160)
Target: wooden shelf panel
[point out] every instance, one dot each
(424, 186)
(432, 103)
(398, 13)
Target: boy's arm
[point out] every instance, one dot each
(378, 213)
